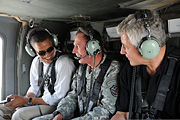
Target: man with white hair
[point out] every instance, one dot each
(149, 83)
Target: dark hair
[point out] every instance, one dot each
(38, 35)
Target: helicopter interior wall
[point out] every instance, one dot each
(9, 28)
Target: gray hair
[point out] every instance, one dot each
(135, 30)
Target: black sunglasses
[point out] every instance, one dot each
(49, 50)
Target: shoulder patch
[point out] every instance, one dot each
(114, 90)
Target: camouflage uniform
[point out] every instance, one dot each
(107, 97)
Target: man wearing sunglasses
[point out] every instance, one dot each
(46, 87)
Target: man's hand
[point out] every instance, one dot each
(58, 117)
(120, 116)
(18, 101)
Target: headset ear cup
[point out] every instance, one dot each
(29, 50)
(93, 47)
(149, 49)
(140, 51)
(54, 37)
(55, 40)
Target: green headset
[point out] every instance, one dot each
(149, 47)
(29, 49)
(93, 46)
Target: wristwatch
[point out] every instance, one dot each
(30, 101)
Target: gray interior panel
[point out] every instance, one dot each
(10, 29)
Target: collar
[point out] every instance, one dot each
(102, 61)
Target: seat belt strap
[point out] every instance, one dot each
(52, 78)
(40, 72)
(131, 102)
(53, 73)
(82, 83)
(99, 80)
(40, 80)
(138, 96)
(82, 79)
(163, 88)
(42, 77)
(98, 83)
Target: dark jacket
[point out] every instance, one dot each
(150, 85)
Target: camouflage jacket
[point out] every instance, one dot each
(107, 97)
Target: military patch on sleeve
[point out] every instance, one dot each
(114, 90)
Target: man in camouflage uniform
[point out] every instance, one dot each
(73, 106)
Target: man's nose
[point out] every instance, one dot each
(122, 51)
(47, 54)
(74, 50)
